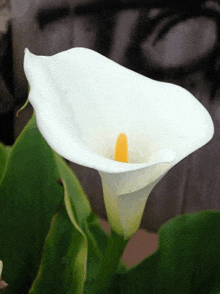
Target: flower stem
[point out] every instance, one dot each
(110, 263)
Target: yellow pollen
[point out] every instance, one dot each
(121, 148)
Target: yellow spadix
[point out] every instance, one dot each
(121, 148)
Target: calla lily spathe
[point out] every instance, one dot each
(82, 102)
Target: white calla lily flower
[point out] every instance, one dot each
(83, 101)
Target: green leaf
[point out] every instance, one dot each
(29, 197)
(64, 256)
(187, 260)
(4, 155)
(64, 264)
(79, 211)
(76, 202)
(81, 216)
(89, 235)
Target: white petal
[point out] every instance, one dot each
(83, 101)
(125, 196)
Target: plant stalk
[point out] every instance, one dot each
(110, 263)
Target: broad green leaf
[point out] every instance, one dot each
(187, 260)
(64, 265)
(64, 252)
(79, 212)
(82, 217)
(29, 197)
(76, 202)
(4, 154)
